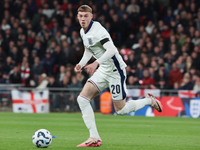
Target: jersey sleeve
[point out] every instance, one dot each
(86, 57)
(104, 38)
(101, 34)
(111, 50)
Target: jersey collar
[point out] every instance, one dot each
(90, 25)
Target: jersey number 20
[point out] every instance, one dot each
(115, 88)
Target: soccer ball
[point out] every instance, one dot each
(42, 138)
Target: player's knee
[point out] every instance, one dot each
(82, 100)
(79, 99)
(123, 111)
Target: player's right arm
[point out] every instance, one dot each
(86, 57)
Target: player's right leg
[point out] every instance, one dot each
(87, 94)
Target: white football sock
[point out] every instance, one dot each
(134, 105)
(88, 115)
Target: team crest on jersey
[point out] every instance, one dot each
(90, 41)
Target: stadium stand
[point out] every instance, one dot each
(158, 43)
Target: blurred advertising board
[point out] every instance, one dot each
(184, 105)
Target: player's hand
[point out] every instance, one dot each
(91, 68)
(77, 68)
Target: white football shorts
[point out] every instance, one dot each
(115, 80)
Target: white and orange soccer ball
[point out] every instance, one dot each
(42, 138)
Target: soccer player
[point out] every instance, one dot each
(110, 73)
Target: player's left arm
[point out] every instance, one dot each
(111, 50)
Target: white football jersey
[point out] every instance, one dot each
(91, 40)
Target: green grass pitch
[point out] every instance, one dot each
(117, 132)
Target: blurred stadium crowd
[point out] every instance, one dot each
(39, 39)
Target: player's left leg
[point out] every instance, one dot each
(123, 107)
(118, 91)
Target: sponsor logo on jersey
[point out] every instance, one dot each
(90, 41)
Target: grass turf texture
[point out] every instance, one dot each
(117, 132)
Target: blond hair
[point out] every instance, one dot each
(85, 8)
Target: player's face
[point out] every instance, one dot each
(84, 19)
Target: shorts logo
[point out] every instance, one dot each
(90, 41)
(115, 96)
